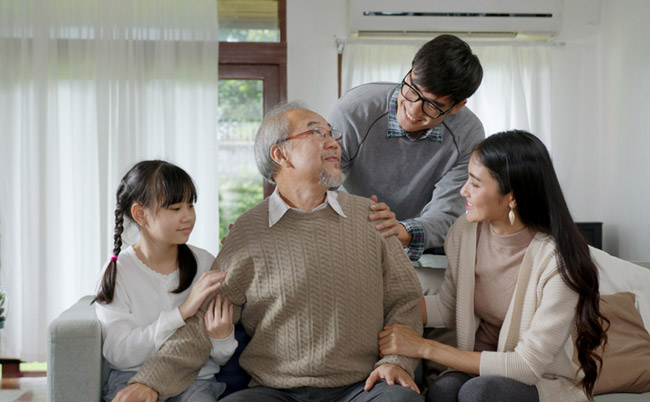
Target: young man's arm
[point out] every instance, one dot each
(430, 228)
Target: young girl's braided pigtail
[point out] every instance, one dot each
(107, 288)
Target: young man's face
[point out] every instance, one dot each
(410, 114)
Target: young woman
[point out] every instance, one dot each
(520, 279)
(155, 285)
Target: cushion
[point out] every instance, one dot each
(617, 275)
(626, 360)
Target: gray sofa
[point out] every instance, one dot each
(77, 371)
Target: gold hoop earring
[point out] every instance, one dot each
(511, 217)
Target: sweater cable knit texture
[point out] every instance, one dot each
(318, 289)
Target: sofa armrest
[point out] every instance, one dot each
(76, 369)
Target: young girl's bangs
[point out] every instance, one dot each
(174, 186)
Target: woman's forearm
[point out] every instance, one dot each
(459, 359)
(402, 340)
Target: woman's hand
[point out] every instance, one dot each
(207, 284)
(218, 318)
(404, 341)
(401, 340)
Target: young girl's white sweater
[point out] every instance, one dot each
(144, 313)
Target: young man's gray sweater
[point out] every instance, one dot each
(418, 180)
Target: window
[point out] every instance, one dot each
(252, 79)
(240, 113)
(249, 21)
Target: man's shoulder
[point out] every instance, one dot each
(356, 208)
(467, 126)
(352, 200)
(259, 212)
(203, 256)
(371, 89)
(366, 98)
(245, 230)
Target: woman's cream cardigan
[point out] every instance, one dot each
(535, 345)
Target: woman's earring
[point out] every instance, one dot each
(511, 217)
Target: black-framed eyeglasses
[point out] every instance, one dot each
(413, 95)
(319, 132)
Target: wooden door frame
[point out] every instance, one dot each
(268, 73)
(272, 90)
(260, 61)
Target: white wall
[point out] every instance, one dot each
(625, 116)
(577, 130)
(312, 29)
(601, 92)
(601, 136)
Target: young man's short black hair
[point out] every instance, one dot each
(446, 66)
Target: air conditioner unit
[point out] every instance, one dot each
(472, 17)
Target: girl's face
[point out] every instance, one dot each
(484, 201)
(171, 225)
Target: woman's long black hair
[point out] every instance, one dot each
(154, 184)
(520, 163)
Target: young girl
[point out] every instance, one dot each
(152, 287)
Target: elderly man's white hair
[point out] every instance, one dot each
(274, 128)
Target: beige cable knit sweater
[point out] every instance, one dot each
(318, 289)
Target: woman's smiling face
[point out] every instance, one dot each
(484, 199)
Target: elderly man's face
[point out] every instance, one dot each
(314, 158)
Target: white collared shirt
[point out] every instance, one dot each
(278, 207)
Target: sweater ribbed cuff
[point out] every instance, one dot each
(406, 363)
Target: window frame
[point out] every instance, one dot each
(266, 61)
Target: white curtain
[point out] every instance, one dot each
(87, 88)
(515, 91)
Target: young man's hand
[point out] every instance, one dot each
(390, 226)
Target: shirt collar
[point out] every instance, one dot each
(278, 207)
(395, 130)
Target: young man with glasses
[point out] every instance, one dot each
(313, 321)
(409, 144)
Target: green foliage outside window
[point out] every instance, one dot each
(236, 196)
(249, 35)
(240, 100)
(240, 109)
(240, 113)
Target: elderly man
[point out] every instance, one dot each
(317, 280)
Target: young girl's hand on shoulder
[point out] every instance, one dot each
(207, 284)
(218, 318)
